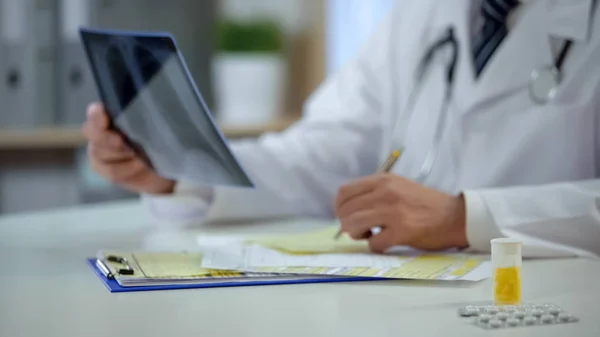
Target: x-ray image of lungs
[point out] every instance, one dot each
(153, 101)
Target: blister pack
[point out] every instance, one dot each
(527, 315)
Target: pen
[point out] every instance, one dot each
(384, 168)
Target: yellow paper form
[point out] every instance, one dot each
(259, 259)
(313, 242)
(443, 268)
(168, 265)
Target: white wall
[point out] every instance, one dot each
(349, 24)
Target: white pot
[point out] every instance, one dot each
(249, 88)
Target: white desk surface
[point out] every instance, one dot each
(46, 289)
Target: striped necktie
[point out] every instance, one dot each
(493, 30)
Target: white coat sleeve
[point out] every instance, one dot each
(554, 220)
(299, 171)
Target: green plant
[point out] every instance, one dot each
(259, 36)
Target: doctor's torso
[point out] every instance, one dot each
(493, 133)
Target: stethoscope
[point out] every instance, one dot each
(543, 86)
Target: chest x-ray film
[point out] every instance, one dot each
(153, 101)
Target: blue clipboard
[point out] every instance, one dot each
(114, 287)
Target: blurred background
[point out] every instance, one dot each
(290, 46)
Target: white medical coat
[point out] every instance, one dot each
(527, 171)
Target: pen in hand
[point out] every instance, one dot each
(384, 168)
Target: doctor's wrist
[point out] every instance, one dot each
(458, 229)
(160, 187)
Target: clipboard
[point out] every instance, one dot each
(120, 274)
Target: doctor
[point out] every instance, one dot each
(495, 105)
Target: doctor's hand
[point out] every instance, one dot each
(115, 161)
(409, 214)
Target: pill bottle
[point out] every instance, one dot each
(506, 264)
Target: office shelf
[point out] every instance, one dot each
(42, 138)
(60, 138)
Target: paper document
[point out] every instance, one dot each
(204, 241)
(165, 268)
(174, 265)
(258, 259)
(314, 242)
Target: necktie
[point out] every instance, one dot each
(493, 31)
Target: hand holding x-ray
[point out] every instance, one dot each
(112, 158)
(152, 101)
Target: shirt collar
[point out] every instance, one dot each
(569, 19)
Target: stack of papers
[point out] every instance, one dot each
(298, 258)
(318, 253)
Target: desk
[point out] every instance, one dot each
(46, 289)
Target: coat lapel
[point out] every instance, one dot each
(527, 47)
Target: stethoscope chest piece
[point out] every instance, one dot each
(543, 84)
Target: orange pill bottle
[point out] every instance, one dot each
(506, 264)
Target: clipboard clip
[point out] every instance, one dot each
(126, 268)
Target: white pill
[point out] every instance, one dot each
(529, 320)
(510, 308)
(463, 312)
(513, 322)
(491, 310)
(554, 311)
(547, 319)
(502, 316)
(484, 318)
(495, 324)
(468, 311)
(537, 313)
(519, 315)
(564, 317)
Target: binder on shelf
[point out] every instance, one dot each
(76, 81)
(149, 271)
(27, 63)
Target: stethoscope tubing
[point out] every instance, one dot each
(422, 71)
